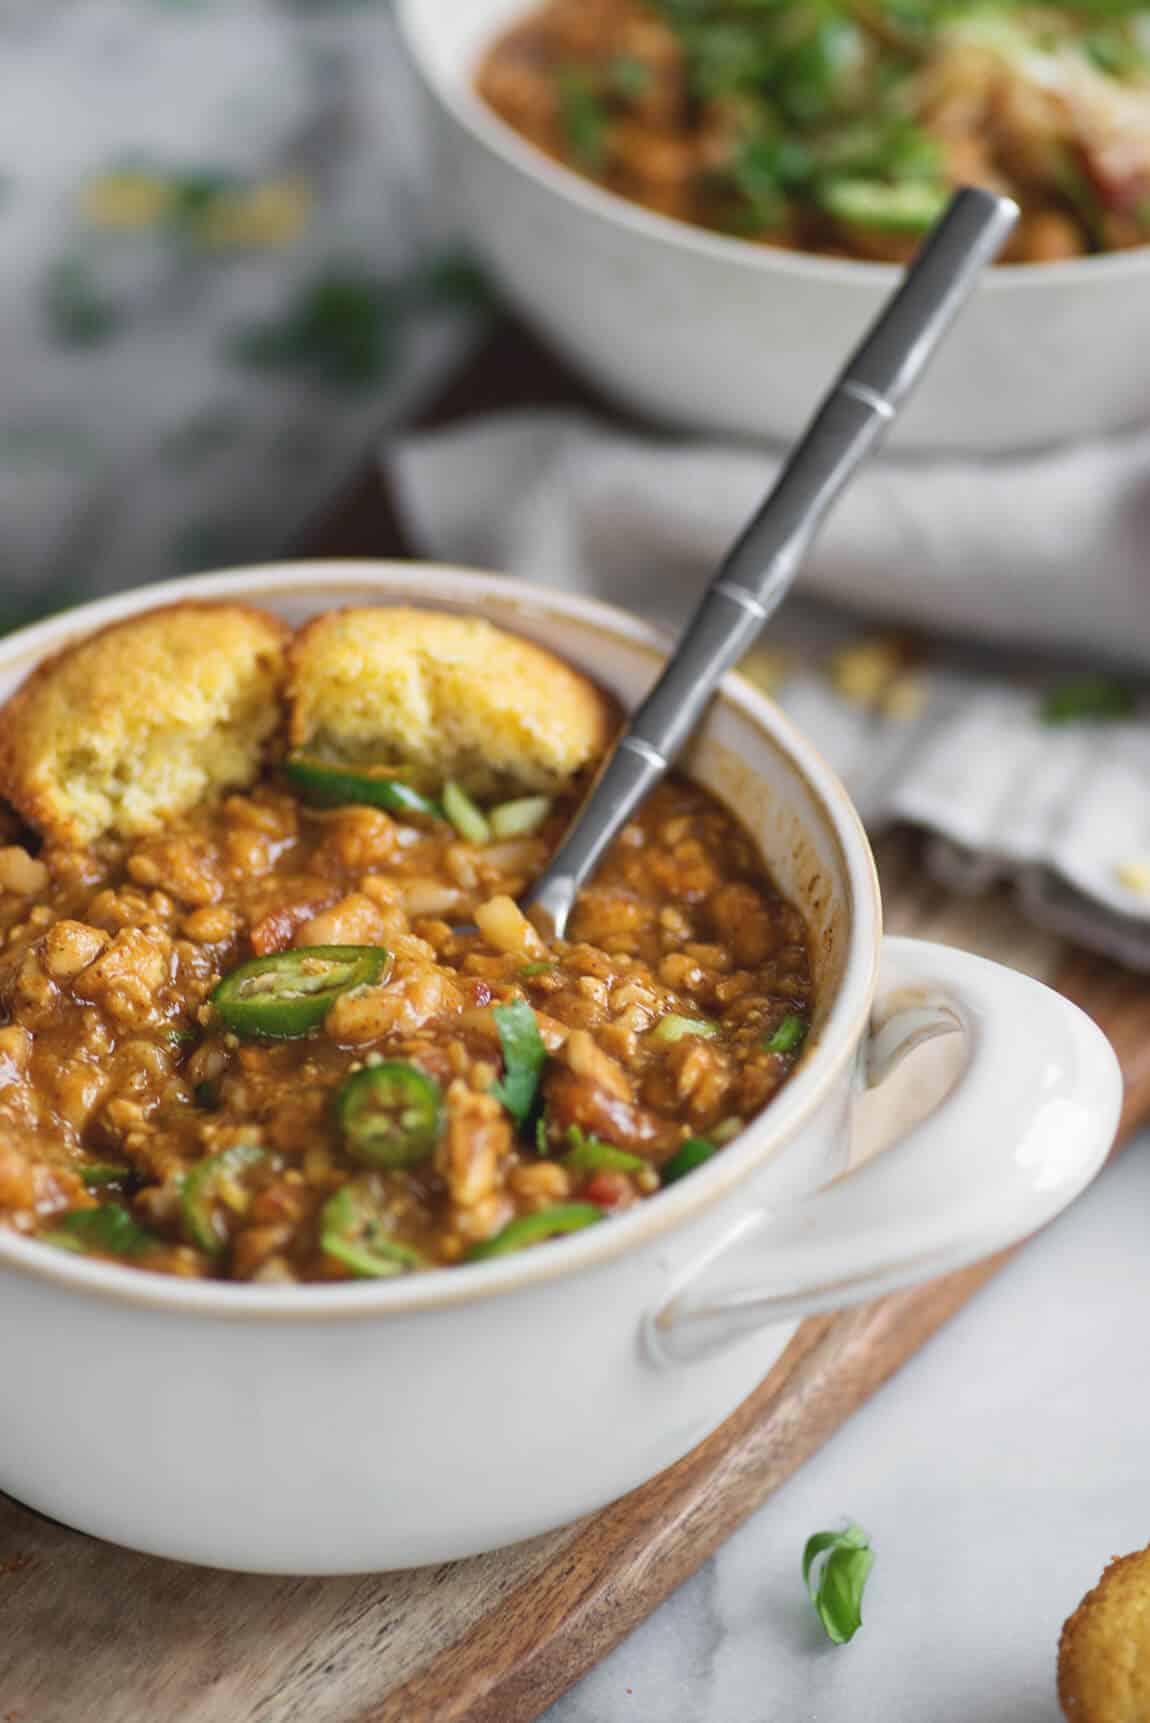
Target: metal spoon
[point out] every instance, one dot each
(758, 570)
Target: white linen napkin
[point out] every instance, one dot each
(1047, 554)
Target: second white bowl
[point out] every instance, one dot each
(718, 335)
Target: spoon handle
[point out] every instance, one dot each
(759, 568)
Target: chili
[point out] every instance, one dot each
(290, 992)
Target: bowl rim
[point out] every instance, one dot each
(386, 579)
(486, 128)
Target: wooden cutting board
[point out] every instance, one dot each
(94, 1634)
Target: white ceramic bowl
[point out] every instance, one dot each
(717, 335)
(348, 1428)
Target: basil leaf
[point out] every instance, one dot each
(836, 1590)
(1084, 698)
(523, 1057)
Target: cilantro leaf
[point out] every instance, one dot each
(523, 1057)
(836, 1590)
(1087, 697)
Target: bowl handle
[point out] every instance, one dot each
(1027, 1125)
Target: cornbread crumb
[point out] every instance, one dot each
(138, 722)
(454, 697)
(1104, 1651)
(862, 671)
(1134, 874)
(905, 698)
(768, 667)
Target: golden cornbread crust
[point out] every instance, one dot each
(1104, 1652)
(138, 722)
(453, 696)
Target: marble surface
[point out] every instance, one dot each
(996, 1476)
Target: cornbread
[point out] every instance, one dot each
(454, 697)
(1104, 1652)
(139, 722)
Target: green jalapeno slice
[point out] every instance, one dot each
(390, 1113)
(693, 1153)
(353, 1232)
(370, 786)
(284, 995)
(529, 1229)
(214, 1185)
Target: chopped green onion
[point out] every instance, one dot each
(673, 1028)
(592, 1155)
(99, 1173)
(727, 1131)
(583, 117)
(521, 818)
(693, 1153)
(911, 207)
(788, 1037)
(836, 1592)
(467, 819)
(528, 1229)
(523, 1058)
(532, 969)
(542, 1146)
(628, 77)
(1083, 698)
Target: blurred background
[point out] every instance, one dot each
(219, 277)
(245, 243)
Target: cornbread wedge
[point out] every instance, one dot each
(454, 697)
(1104, 1652)
(137, 723)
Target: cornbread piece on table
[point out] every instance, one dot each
(454, 697)
(1104, 1652)
(139, 722)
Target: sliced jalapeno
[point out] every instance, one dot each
(390, 1114)
(370, 786)
(212, 1187)
(290, 992)
(693, 1153)
(529, 1229)
(353, 1231)
(105, 1231)
(592, 1155)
